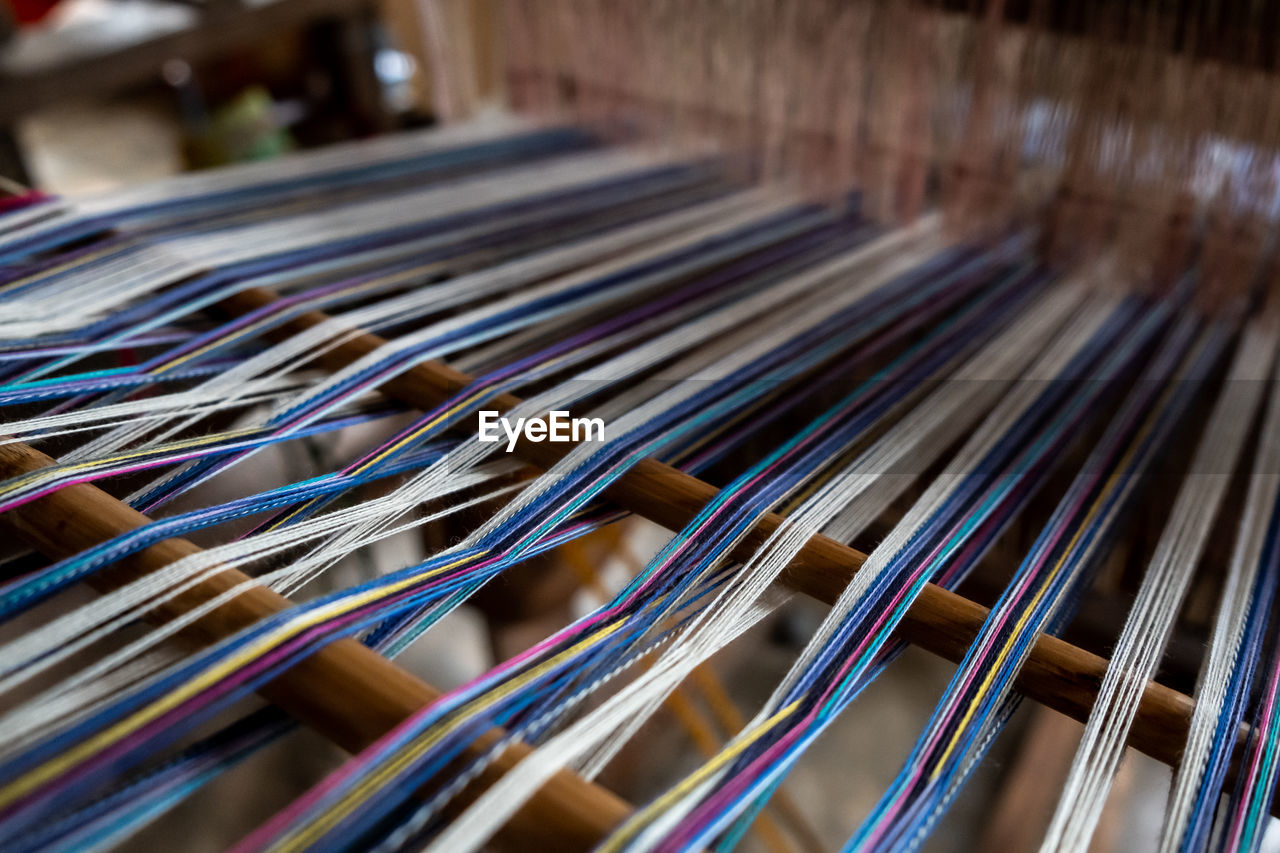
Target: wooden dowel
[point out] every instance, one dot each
(353, 695)
(1056, 674)
(346, 691)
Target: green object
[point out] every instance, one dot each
(241, 130)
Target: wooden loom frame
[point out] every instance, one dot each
(352, 695)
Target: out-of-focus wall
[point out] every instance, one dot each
(455, 45)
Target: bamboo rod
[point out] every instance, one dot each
(353, 695)
(346, 691)
(1056, 673)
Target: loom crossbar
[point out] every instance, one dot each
(1057, 674)
(353, 696)
(346, 691)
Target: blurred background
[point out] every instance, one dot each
(100, 93)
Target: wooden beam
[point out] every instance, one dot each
(568, 813)
(1056, 674)
(346, 691)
